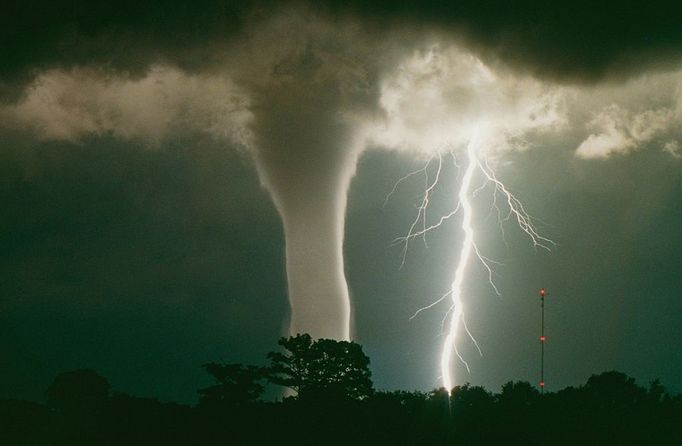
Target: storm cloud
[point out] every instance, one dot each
(565, 41)
(305, 88)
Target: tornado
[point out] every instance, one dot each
(312, 86)
(306, 157)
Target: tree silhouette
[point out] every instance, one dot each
(471, 407)
(79, 401)
(235, 384)
(77, 391)
(613, 389)
(321, 367)
(520, 406)
(337, 405)
(518, 395)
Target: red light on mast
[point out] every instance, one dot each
(542, 384)
(542, 339)
(542, 292)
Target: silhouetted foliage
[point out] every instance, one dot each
(133, 420)
(518, 394)
(77, 390)
(321, 367)
(337, 406)
(79, 399)
(518, 406)
(471, 407)
(24, 423)
(235, 385)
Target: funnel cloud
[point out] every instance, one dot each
(308, 174)
(310, 84)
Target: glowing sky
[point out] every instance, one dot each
(152, 163)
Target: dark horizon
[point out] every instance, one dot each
(332, 392)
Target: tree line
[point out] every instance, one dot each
(331, 400)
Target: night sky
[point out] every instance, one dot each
(141, 237)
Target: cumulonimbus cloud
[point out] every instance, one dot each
(435, 96)
(626, 117)
(305, 96)
(68, 105)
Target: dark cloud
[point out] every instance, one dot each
(564, 40)
(567, 41)
(125, 36)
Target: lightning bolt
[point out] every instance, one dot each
(512, 210)
(457, 315)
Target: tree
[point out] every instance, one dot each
(613, 389)
(520, 406)
(471, 407)
(235, 384)
(321, 367)
(78, 391)
(79, 400)
(518, 395)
